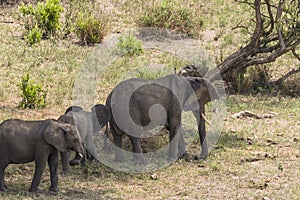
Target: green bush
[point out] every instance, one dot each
(91, 30)
(33, 96)
(170, 15)
(44, 15)
(34, 35)
(128, 45)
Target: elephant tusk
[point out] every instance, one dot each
(205, 119)
(80, 155)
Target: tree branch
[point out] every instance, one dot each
(279, 10)
(267, 59)
(271, 17)
(284, 77)
(259, 24)
(295, 53)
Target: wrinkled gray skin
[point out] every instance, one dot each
(146, 96)
(102, 113)
(73, 108)
(87, 125)
(39, 141)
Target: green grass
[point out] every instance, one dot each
(235, 169)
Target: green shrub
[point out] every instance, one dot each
(44, 15)
(128, 45)
(34, 35)
(170, 15)
(91, 30)
(33, 96)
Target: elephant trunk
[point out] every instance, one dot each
(79, 149)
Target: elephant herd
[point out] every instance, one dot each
(133, 106)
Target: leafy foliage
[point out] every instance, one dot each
(34, 35)
(170, 15)
(45, 16)
(33, 95)
(91, 30)
(128, 45)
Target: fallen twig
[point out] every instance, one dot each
(246, 113)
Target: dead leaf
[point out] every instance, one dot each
(254, 159)
(246, 114)
(269, 140)
(154, 176)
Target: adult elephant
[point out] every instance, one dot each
(138, 105)
(39, 141)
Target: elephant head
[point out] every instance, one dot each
(63, 137)
(73, 108)
(203, 91)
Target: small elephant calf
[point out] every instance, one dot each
(87, 123)
(39, 141)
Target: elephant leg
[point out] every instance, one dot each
(40, 164)
(202, 132)
(137, 149)
(65, 157)
(3, 187)
(53, 165)
(105, 147)
(117, 136)
(174, 141)
(182, 154)
(90, 146)
(119, 153)
(89, 156)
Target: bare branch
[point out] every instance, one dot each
(259, 24)
(279, 10)
(268, 59)
(271, 17)
(239, 26)
(295, 53)
(283, 78)
(281, 42)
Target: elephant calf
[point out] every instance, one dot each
(87, 124)
(39, 141)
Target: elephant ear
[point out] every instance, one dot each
(54, 134)
(204, 90)
(103, 114)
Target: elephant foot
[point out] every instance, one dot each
(33, 189)
(3, 189)
(53, 189)
(66, 171)
(185, 156)
(74, 162)
(201, 157)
